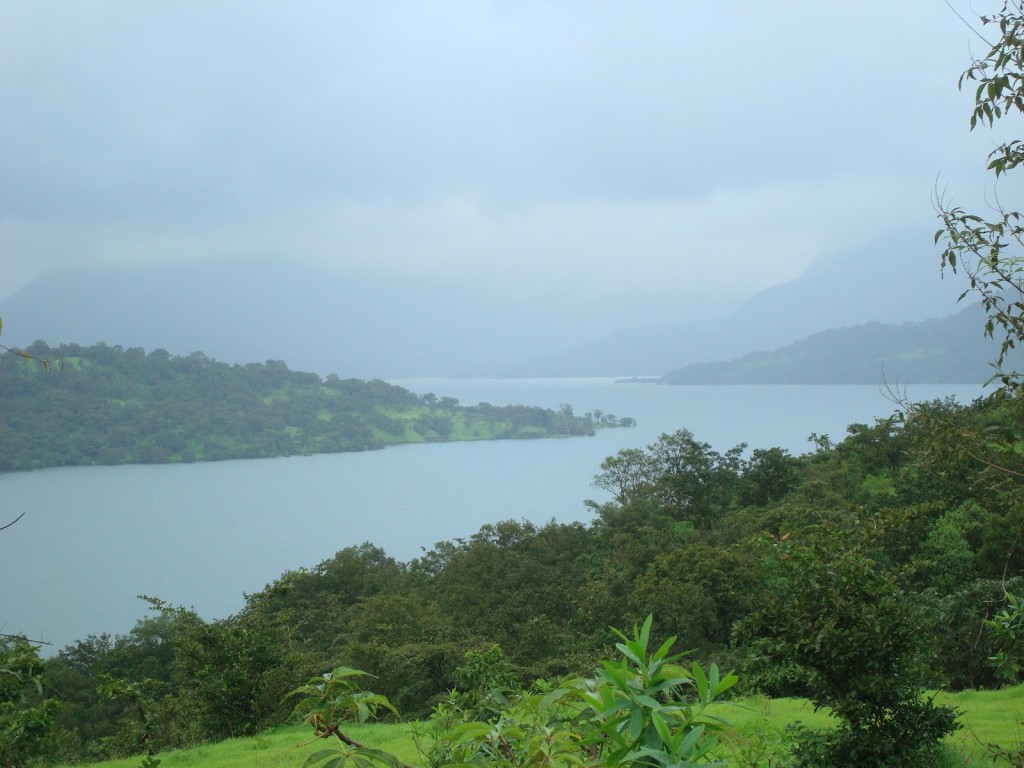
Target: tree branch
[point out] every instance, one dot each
(22, 637)
(2, 527)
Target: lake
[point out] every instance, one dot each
(201, 535)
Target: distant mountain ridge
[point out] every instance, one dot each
(950, 350)
(364, 326)
(251, 311)
(891, 280)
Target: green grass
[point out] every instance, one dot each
(286, 747)
(989, 717)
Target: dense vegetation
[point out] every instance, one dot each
(886, 552)
(108, 405)
(858, 575)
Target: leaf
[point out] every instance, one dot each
(700, 680)
(316, 757)
(686, 748)
(628, 651)
(662, 728)
(663, 650)
(381, 756)
(468, 732)
(636, 724)
(645, 632)
(647, 701)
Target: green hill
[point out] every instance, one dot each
(108, 405)
(948, 350)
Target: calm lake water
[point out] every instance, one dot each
(202, 535)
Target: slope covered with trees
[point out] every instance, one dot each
(858, 575)
(108, 405)
(832, 575)
(950, 350)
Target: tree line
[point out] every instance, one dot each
(858, 574)
(855, 574)
(109, 405)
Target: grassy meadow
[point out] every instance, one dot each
(988, 717)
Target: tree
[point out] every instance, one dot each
(851, 625)
(26, 716)
(680, 477)
(46, 366)
(989, 250)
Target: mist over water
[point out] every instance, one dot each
(201, 535)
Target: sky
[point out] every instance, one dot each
(692, 148)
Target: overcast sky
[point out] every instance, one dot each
(698, 145)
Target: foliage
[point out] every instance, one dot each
(1007, 629)
(910, 516)
(140, 721)
(917, 531)
(26, 715)
(329, 701)
(988, 250)
(946, 349)
(641, 709)
(682, 478)
(119, 694)
(119, 406)
(845, 618)
(990, 717)
(484, 681)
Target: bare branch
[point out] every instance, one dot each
(22, 637)
(968, 24)
(2, 527)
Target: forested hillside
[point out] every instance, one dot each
(862, 575)
(950, 350)
(108, 405)
(888, 550)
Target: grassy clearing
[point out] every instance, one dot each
(286, 747)
(989, 717)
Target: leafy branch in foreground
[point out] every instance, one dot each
(1007, 629)
(44, 362)
(642, 709)
(991, 252)
(333, 699)
(988, 250)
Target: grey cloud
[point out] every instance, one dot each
(187, 119)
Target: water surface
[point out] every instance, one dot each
(201, 535)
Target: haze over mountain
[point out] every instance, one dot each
(363, 326)
(950, 350)
(485, 188)
(374, 327)
(893, 279)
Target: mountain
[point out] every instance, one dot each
(948, 350)
(893, 279)
(391, 326)
(351, 325)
